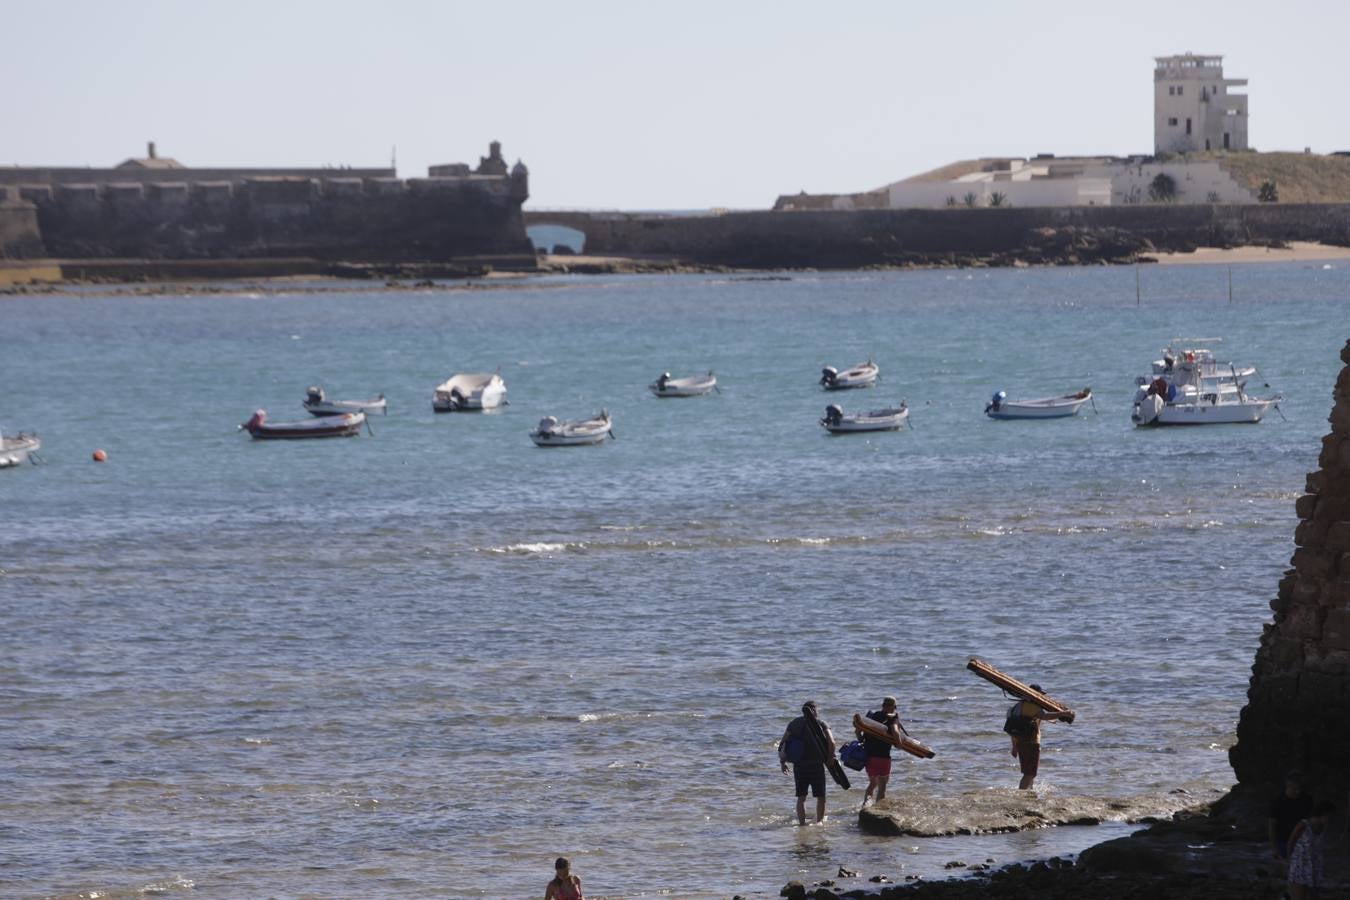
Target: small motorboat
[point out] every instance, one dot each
(693, 386)
(860, 376)
(1000, 407)
(341, 425)
(17, 449)
(552, 433)
(469, 392)
(889, 418)
(318, 404)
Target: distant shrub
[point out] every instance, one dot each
(1268, 193)
(1163, 188)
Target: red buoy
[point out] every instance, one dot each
(100, 456)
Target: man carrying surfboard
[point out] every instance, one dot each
(879, 749)
(1023, 726)
(807, 743)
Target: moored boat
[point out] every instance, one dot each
(860, 376)
(1187, 360)
(692, 386)
(318, 404)
(552, 433)
(18, 449)
(889, 418)
(469, 392)
(341, 425)
(1000, 407)
(1201, 407)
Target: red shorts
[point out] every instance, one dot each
(878, 766)
(1029, 755)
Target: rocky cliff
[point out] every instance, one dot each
(1298, 714)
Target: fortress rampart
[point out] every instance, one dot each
(851, 239)
(351, 214)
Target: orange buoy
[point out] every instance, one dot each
(100, 456)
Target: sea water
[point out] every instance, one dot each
(426, 661)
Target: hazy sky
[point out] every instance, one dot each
(642, 105)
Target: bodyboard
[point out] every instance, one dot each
(905, 743)
(1019, 689)
(817, 734)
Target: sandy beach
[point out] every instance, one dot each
(1296, 251)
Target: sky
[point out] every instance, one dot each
(644, 105)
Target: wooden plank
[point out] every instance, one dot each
(1019, 688)
(879, 731)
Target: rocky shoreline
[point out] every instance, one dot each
(1216, 852)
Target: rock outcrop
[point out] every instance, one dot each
(1298, 714)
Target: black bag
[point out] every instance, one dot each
(1018, 725)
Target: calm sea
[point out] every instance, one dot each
(426, 662)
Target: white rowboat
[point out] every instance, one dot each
(16, 450)
(693, 386)
(889, 418)
(553, 433)
(1000, 407)
(318, 404)
(860, 376)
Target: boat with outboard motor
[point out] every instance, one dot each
(890, 418)
(692, 386)
(553, 433)
(318, 404)
(860, 376)
(469, 392)
(1063, 406)
(340, 425)
(15, 450)
(1159, 403)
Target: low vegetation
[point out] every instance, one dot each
(1295, 177)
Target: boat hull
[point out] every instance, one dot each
(1021, 411)
(469, 393)
(860, 424)
(345, 425)
(683, 387)
(15, 451)
(343, 407)
(1249, 413)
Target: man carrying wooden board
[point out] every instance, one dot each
(1023, 724)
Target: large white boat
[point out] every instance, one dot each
(889, 418)
(1186, 358)
(1000, 407)
(1204, 405)
(469, 391)
(18, 449)
(553, 433)
(693, 386)
(860, 376)
(318, 404)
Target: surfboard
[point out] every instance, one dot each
(877, 730)
(1019, 689)
(817, 734)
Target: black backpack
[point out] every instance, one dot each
(1018, 725)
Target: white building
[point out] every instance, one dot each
(1192, 109)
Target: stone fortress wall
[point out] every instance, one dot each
(158, 209)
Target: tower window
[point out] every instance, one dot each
(1172, 121)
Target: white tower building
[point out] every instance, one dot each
(1192, 109)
